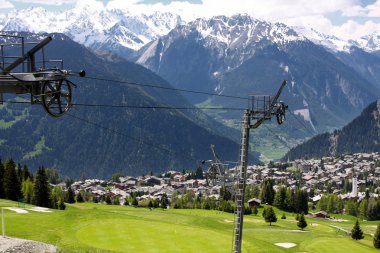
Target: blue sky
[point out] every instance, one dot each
(345, 18)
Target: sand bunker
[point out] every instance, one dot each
(40, 209)
(286, 245)
(17, 210)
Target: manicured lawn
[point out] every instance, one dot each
(101, 228)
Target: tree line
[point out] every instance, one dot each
(18, 183)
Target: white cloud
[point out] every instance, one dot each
(354, 30)
(372, 10)
(47, 2)
(4, 4)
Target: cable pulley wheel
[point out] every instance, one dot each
(56, 97)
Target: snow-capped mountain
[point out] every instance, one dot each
(369, 43)
(239, 55)
(107, 29)
(231, 40)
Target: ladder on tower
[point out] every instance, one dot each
(239, 197)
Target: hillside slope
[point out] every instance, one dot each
(361, 135)
(98, 141)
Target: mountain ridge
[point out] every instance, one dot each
(360, 135)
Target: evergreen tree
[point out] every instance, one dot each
(12, 186)
(356, 232)
(289, 200)
(26, 173)
(70, 195)
(80, 198)
(376, 238)
(283, 216)
(302, 222)
(279, 198)
(41, 189)
(164, 201)
(199, 173)
(61, 205)
(270, 215)
(267, 192)
(2, 195)
(126, 202)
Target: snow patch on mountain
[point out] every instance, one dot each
(369, 43)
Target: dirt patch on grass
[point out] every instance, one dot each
(16, 245)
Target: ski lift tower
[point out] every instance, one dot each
(262, 108)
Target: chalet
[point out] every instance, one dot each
(254, 202)
(321, 214)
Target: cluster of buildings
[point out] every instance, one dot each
(308, 174)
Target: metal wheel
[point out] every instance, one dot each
(280, 114)
(56, 97)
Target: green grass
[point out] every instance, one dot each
(7, 124)
(39, 148)
(101, 228)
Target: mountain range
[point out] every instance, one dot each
(96, 141)
(330, 80)
(240, 55)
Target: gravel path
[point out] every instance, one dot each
(15, 245)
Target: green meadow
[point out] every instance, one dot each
(92, 227)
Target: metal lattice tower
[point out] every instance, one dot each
(262, 108)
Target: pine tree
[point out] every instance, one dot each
(270, 215)
(41, 189)
(279, 198)
(12, 186)
(356, 232)
(302, 222)
(26, 173)
(70, 195)
(164, 201)
(80, 198)
(61, 205)
(126, 202)
(376, 238)
(199, 173)
(267, 192)
(2, 195)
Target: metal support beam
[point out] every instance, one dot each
(242, 181)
